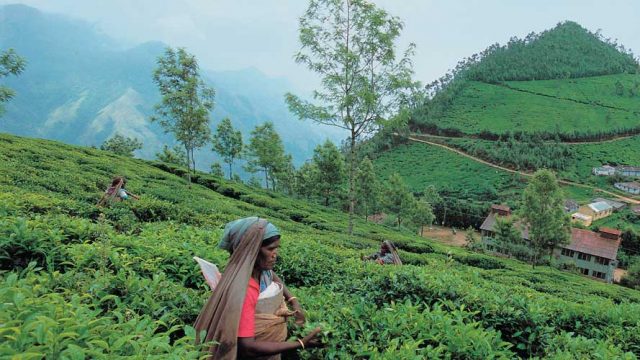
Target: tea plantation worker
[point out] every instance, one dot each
(387, 254)
(117, 192)
(240, 316)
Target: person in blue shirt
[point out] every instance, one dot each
(388, 255)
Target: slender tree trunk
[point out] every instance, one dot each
(230, 173)
(188, 164)
(352, 172)
(266, 179)
(421, 230)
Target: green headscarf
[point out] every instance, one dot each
(234, 231)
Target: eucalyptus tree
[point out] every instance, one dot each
(350, 45)
(186, 101)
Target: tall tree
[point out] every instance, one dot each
(305, 180)
(216, 170)
(350, 44)
(186, 101)
(228, 143)
(398, 199)
(422, 214)
(122, 145)
(285, 175)
(507, 237)
(432, 196)
(10, 64)
(330, 175)
(266, 152)
(367, 187)
(543, 210)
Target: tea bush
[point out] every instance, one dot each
(119, 281)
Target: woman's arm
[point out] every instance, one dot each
(249, 347)
(132, 195)
(292, 300)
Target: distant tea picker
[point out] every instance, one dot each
(246, 315)
(116, 192)
(388, 255)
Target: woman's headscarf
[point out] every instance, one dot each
(220, 316)
(234, 230)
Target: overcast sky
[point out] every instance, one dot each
(235, 34)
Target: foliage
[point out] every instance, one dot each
(121, 145)
(186, 101)
(566, 51)
(216, 169)
(103, 291)
(329, 163)
(351, 46)
(228, 143)
(175, 156)
(10, 64)
(632, 277)
(543, 212)
(526, 152)
(422, 214)
(367, 188)
(398, 199)
(265, 153)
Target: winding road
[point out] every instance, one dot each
(565, 182)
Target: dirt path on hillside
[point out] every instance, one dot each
(525, 174)
(445, 235)
(613, 139)
(618, 274)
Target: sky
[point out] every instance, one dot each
(237, 34)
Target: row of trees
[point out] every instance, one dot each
(530, 152)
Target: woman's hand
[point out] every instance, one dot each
(312, 340)
(298, 314)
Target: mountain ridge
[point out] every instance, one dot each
(71, 88)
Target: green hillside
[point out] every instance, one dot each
(566, 51)
(82, 282)
(583, 106)
(566, 81)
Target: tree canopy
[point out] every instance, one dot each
(186, 101)
(122, 145)
(350, 44)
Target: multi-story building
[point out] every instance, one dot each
(594, 253)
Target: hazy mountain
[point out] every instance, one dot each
(80, 87)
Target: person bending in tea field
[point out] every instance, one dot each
(117, 192)
(246, 315)
(387, 255)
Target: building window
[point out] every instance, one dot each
(584, 271)
(567, 252)
(583, 256)
(601, 260)
(598, 274)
